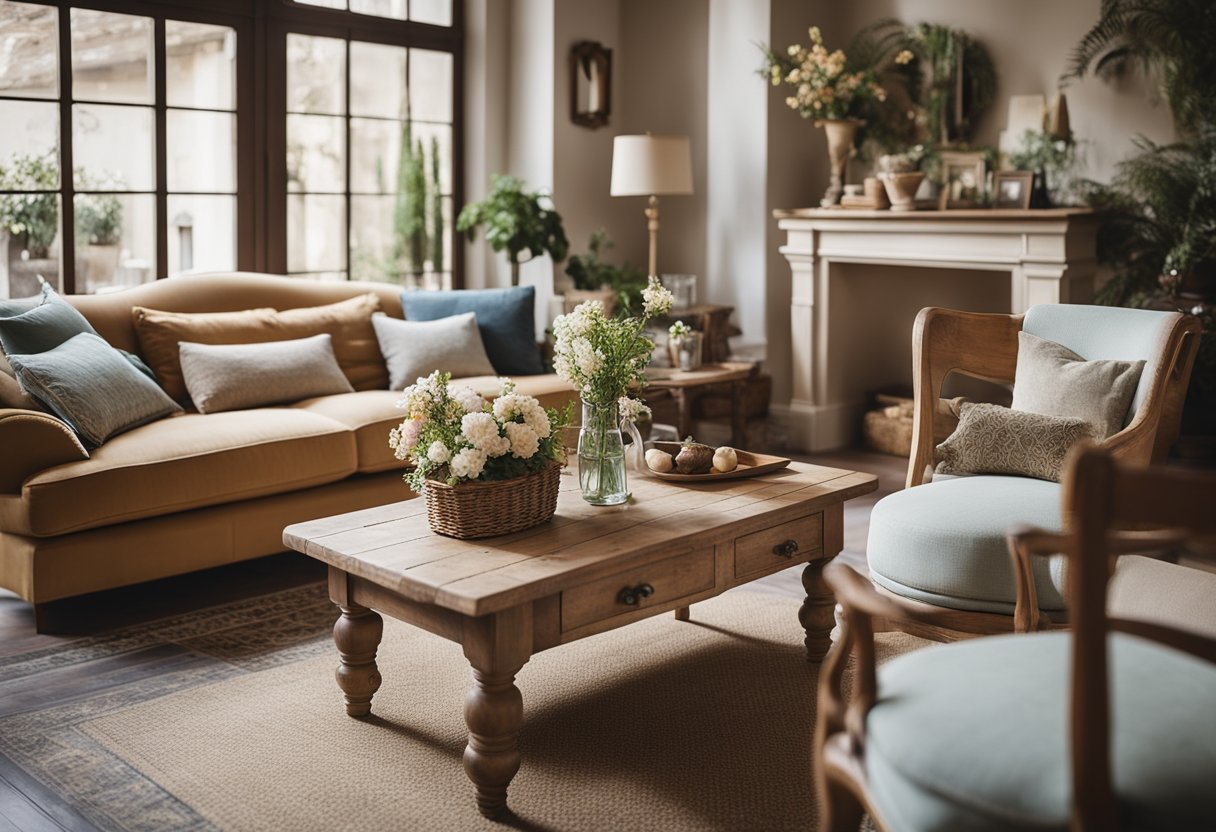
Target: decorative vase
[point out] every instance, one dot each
(601, 456)
(840, 133)
(901, 189)
(488, 509)
(685, 351)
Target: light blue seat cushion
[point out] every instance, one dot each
(944, 542)
(505, 319)
(973, 736)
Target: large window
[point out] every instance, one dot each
(147, 139)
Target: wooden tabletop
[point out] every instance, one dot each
(393, 546)
(705, 374)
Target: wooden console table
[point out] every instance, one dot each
(1049, 255)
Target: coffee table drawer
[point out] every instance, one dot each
(644, 586)
(772, 549)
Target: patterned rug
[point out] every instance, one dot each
(660, 725)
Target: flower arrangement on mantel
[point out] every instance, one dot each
(825, 85)
(453, 435)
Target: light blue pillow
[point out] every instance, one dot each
(43, 322)
(89, 385)
(505, 318)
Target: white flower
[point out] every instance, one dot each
(524, 441)
(469, 399)
(632, 409)
(438, 453)
(468, 464)
(655, 299)
(481, 429)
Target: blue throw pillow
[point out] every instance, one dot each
(505, 318)
(43, 322)
(89, 385)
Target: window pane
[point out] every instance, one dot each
(329, 4)
(316, 233)
(438, 12)
(316, 159)
(29, 50)
(111, 57)
(112, 147)
(200, 65)
(316, 75)
(200, 149)
(373, 242)
(377, 80)
(375, 147)
(115, 241)
(29, 143)
(436, 137)
(430, 85)
(29, 243)
(380, 8)
(202, 233)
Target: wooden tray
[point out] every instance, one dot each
(750, 465)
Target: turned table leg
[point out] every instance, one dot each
(497, 646)
(818, 611)
(357, 635)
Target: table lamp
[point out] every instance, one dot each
(651, 166)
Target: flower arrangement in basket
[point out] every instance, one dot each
(484, 469)
(603, 358)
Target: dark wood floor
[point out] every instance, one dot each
(30, 806)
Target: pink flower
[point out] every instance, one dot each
(411, 430)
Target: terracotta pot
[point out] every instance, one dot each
(901, 189)
(840, 133)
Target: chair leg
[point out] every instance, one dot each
(839, 809)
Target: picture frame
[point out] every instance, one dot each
(963, 175)
(1012, 189)
(590, 84)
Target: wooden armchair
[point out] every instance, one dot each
(942, 542)
(1107, 727)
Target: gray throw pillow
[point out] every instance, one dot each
(991, 439)
(236, 376)
(1053, 380)
(414, 349)
(92, 387)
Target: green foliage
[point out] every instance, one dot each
(941, 47)
(589, 272)
(409, 210)
(890, 125)
(516, 221)
(33, 216)
(98, 219)
(436, 210)
(1169, 41)
(1055, 158)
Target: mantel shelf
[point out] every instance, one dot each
(954, 214)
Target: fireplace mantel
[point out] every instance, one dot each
(1048, 253)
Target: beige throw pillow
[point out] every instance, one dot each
(237, 376)
(991, 439)
(1053, 380)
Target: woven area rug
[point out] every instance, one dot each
(660, 725)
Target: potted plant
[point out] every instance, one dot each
(485, 469)
(98, 234)
(29, 220)
(596, 280)
(684, 346)
(516, 221)
(901, 176)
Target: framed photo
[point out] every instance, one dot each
(1012, 189)
(962, 180)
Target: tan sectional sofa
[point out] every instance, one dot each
(195, 491)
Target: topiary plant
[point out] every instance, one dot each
(516, 221)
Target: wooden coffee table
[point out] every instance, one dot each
(587, 570)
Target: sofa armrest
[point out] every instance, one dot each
(33, 442)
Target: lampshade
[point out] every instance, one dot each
(651, 166)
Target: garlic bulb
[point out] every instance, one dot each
(725, 460)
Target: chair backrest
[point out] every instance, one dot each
(1102, 497)
(1110, 333)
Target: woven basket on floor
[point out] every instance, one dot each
(488, 509)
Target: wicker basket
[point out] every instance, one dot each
(488, 509)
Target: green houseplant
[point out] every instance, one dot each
(31, 219)
(590, 273)
(516, 221)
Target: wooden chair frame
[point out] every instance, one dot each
(985, 346)
(1104, 499)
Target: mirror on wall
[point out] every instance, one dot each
(590, 84)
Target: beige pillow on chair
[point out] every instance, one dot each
(991, 439)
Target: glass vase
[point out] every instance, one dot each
(601, 456)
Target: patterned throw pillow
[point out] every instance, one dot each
(991, 439)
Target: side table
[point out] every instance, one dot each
(687, 386)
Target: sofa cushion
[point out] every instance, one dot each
(182, 463)
(415, 349)
(506, 318)
(241, 376)
(370, 415)
(348, 322)
(974, 736)
(944, 542)
(88, 384)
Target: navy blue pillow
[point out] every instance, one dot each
(39, 324)
(505, 318)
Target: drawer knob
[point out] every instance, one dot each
(631, 595)
(786, 549)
